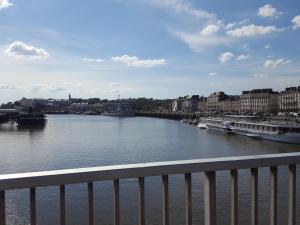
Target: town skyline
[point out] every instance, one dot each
(69, 95)
(158, 49)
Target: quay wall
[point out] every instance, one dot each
(181, 115)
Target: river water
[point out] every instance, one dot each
(73, 141)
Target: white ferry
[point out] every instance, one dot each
(267, 131)
(218, 125)
(280, 133)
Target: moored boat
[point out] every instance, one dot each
(195, 121)
(272, 132)
(201, 125)
(218, 125)
(29, 119)
(184, 121)
(261, 130)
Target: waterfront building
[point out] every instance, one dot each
(259, 101)
(214, 99)
(120, 107)
(177, 104)
(231, 104)
(190, 104)
(202, 104)
(289, 99)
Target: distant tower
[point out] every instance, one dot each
(69, 97)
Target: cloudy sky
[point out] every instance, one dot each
(152, 48)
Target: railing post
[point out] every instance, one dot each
(165, 200)
(91, 203)
(234, 217)
(292, 195)
(116, 202)
(273, 195)
(188, 199)
(2, 208)
(62, 202)
(210, 198)
(32, 206)
(254, 196)
(141, 201)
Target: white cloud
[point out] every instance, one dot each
(212, 74)
(252, 30)
(21, 50)
(261, 75)
(7, 87)
(133, 61)
(183, 6)
(199, 42)
(225, 57)
(210, 30)
(275, 63)
(5, 4)
(242, 57)
(296, 22)
(268, 11)
(234, 24)
(97, 60)
(267, 46)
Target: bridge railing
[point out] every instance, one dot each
(209, 167)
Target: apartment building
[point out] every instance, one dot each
(259, 100)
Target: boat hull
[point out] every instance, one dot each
(284, 138)
(202, 126)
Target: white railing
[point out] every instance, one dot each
(141, 170)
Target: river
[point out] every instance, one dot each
(73, 141)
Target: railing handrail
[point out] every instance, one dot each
(82, 175)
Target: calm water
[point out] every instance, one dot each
(71, 141)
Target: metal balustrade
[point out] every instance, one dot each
(209, 167)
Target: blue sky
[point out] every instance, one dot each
(151, 48)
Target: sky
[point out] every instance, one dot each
(146, 48)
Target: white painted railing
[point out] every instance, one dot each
(141, 170)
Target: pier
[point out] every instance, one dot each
(209, 167)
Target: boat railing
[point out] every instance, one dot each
(209, 167)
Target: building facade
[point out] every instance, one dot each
(232, 104)
(177, 104)
(202, 104)
(289, 99)
(259, 101)
(190, 104)
(214, 99)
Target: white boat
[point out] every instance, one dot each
(266, 131)
(219, 125)
(279, 133)
(202, 125)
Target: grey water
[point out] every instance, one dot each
(74, 141)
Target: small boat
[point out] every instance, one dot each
(195, 121)
(202, 125)
(184, 121)
(28, 119)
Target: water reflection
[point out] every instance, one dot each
(33, 131)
